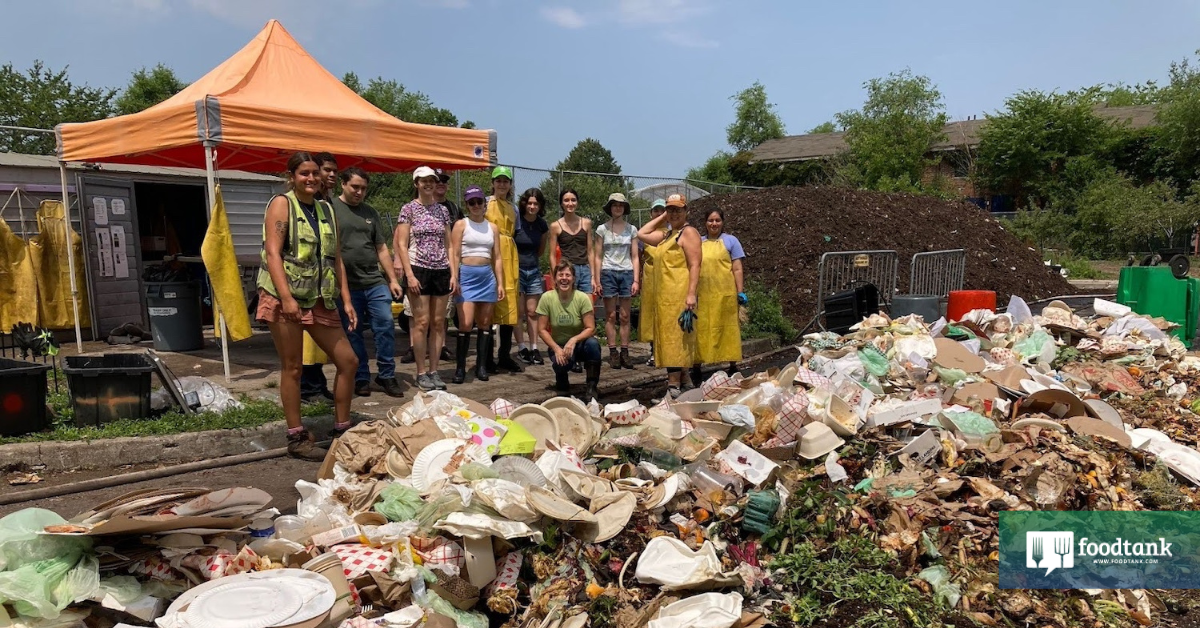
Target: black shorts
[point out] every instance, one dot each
(435, 282)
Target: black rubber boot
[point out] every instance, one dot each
(562, 382)
(461, 346)
(504, 357)
(490, 363)
(696, 376)
(593, 381)
(483, 349)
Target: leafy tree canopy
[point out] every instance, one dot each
(148, 88)
(756, 120)
(42, 98)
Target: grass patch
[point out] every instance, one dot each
(765, 314)
(253, 413)
(1077, 267)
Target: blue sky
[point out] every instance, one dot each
(650, 79)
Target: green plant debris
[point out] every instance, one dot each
(1159, 491)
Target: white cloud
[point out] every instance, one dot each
(658, 12)
(565, 17)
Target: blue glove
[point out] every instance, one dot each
(742, 298)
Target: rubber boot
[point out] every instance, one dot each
(483, 350)
(696, 376)
(593, 381)
(461, 346)
(562, 382)
(504, 357)
(490, 363)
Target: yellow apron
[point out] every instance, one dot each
(313, 353)
(648, 294)
(672, 347)
(504, 218)
(718, 334)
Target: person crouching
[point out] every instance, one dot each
(567, 324)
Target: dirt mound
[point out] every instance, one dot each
(786, 229)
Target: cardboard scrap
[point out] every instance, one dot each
(952, 355)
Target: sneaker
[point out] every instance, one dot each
(535, 357)
(525, 355)
(362, 388)
(437, 381)
(674, 391)
(408, 357)
(426, 383)
(650, 362)
(390, 386)
(302, 446)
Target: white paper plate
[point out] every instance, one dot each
(573, 430)
(576, 406)
(429, 468)
(539, 422)
(316, 591)
(520, 470)
(256, 604)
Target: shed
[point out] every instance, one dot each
(147, 212)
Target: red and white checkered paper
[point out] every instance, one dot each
(792, 416)
(507, 570)
(718, 379)
(222, 563)
(439, 551)
(154, 567)
(502, 407)
(618, 414)
(359, 559)
(358, 622)
(813, 378)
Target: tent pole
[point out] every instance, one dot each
(62, 172)
(212, 199)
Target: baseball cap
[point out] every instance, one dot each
(442, 176)
(676, 200)
(474, 192)
(422, 172)
(658, 202)
(502, 171)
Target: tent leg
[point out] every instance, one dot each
(212, 199)
(62, 171)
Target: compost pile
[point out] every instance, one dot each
(861, 485)
(784, 231)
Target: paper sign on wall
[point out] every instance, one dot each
(100, 209)
(118, 207)
(104, 252)
(120, 261)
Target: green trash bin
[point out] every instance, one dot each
(174, 309)
(1154, 291)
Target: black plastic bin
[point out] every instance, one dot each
(22, 397)
(174, 309)
(109, 387)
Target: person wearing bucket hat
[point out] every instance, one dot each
(503, 216)
(677, 266)
(478, 269)
(617, 248)
(422, 241)
(649, 283)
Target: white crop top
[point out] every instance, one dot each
(477, 239)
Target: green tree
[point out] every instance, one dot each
(1025, 149)
(715, 170)
(1178, 140)
(890, 136)
(824, 127)
(42, 98)
(148, 88)
(756, 120)
(592, 171)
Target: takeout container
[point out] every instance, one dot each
(817, 440)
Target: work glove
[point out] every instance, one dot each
(742, 298)
(687, 321)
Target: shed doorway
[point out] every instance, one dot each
(172, 221)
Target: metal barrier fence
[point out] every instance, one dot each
(844, 270)
(937, 273)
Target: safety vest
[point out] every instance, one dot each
(309, 276)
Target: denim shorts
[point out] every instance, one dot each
(616, 283)
(531, 281)
(583, 278)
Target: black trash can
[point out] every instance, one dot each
(175, 315)
(22, 397)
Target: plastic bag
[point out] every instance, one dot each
(399, 503)
(21, 541)
(950, 377)
(436, 509)
(473, 471)
(123, 589)
(1037, 347)
(873, 361)
(972, 423)
(939, 578)
(432, 602)
(81, 583)
(213, 397)
(737, 414)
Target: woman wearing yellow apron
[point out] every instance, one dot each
(718, 330)
(649, 283)
(677, 265)
(503, 216)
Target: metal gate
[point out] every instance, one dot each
(937, 273)
(844, 270)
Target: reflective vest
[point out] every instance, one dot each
(309, 276)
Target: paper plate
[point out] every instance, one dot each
(523, 471)
(573, 430)
(256, 604)
(610, 520)
(430, 466)
(539, 422)
(787, 377)
(315, 589)
(555, 507)
(396, 464)
(576, 406)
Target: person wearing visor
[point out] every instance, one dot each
(649, 283)
(478, 271)
(503, 216)
(677, 265)
(422, 243)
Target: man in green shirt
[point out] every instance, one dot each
(567, 324)
(371, 280)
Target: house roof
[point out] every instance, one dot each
(957, 135)
(20, 160)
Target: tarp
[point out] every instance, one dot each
(258, 107)
(223, 274)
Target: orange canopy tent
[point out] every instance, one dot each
(264, 103)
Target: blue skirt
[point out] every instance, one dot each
(478, 284)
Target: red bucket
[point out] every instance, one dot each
(963, 301)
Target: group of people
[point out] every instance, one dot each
(327, 274)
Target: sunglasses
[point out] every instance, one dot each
(474, 201)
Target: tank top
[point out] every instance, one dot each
(477, 239)
(574, 247)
